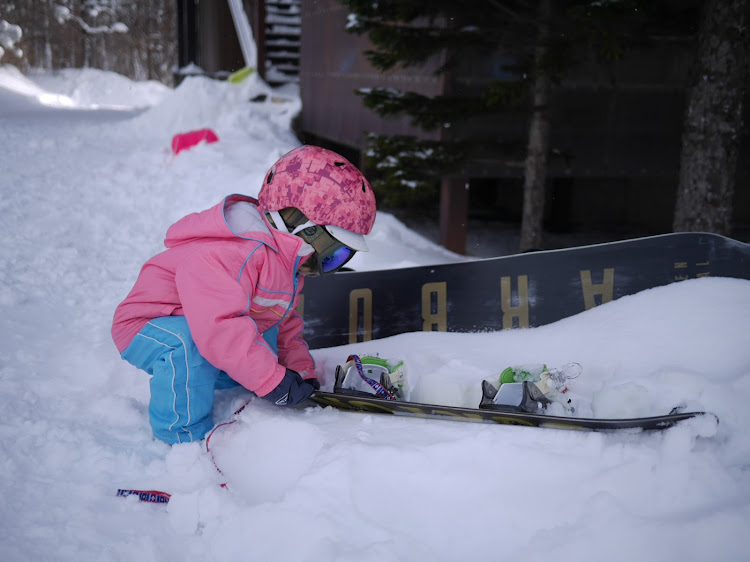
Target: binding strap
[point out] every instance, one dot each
(379, 389)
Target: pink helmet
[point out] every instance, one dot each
(325, 186)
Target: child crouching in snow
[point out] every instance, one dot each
(217, 307)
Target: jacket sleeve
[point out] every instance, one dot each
(293, 350)
(215, 306)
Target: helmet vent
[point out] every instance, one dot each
(339, 164)
(270, 174)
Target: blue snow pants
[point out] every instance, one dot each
(182, 380)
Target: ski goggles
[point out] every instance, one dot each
(336, 259)
(330, 253)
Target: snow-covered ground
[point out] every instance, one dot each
(89, 186)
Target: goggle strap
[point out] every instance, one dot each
(293, 217)
(308, 224)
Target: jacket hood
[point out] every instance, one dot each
(237, 216)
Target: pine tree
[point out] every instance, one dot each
(409, 33)
(541, 41)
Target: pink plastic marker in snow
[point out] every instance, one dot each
(181, 141)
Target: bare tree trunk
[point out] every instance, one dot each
(48, 62)
(536, 153)
(147, 50)
(713, 121)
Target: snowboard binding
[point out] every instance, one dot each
(513, 397)
(368, 376)
(529, 388)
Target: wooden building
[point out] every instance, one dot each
(614, 148)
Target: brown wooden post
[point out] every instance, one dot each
(258, 23)
(454, 209)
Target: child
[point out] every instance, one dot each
(217, 308)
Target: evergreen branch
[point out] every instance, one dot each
(513, 14)
(405, 170)
(427, 112)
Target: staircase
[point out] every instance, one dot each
(282, 29)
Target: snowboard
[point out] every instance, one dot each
(517, 291)
(375, 405)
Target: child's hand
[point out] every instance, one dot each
(310, 378)
(314, 382)
(291, 390)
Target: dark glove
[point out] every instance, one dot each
(291, 390)
(314, 382)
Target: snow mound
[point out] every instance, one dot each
(13, 82)
(90, 88)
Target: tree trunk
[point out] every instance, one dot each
(713, 121)
(536, 153)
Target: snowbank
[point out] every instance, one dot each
(87, 196)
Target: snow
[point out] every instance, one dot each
(10, 35)
(89, 187)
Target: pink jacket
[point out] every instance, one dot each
(233, 277)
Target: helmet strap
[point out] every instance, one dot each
(275, 218)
